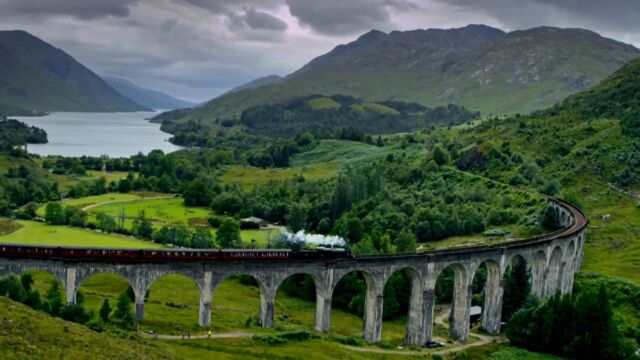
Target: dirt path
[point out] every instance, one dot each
(231, 335)
(128, 200)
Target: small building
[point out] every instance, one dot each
(255, 220)
(475, 315)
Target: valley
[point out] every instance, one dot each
(468, 192)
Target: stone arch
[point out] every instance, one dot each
(100, 278)
(492, 294)
(266, 291)
(311, 289)
(553, 271)
(414, 305)
(43, 279)
(538, 266)
(460, 302)
(373, 299)
(518, 283)
(176, 290)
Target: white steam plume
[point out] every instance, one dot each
(313, 239)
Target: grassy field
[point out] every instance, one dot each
(248, 177)
(170, 210)
(35, 233)
(28, 334)
(160, 211)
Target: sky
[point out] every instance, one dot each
(198, 49)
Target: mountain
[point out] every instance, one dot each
(479, 67)
(262, 81)
(39, 77)
(148, 98)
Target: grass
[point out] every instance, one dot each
(322, 103)
(158, 210)
(28, 334)
(35, 233)
(248, 177)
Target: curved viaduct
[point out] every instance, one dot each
(553, 260)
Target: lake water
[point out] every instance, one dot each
(97, 134)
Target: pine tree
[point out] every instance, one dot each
(105, 310)
(516, 288)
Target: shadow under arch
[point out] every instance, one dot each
(172, 304)
(301, 290)
(538, 266)
(452, 286)
(349, 295)
(553, 279)
(517, 285)
(236, 302)
(43, 281)
(398, 306)
(486, 292)
(103, 286)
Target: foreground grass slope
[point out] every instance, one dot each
(27, 334)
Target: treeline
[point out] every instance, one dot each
(587, 330)
(14, 132)
(298, 115)
(20, 289)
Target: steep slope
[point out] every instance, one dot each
(36, 76)
(588, 148)
(259, 82)
(148, 98)
(28, 334)
(476, 66)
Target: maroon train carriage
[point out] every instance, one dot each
(177, 254)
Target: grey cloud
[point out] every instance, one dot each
(261, 20)
(229, 6)
(81, 9)
(609, 15)
(340, 17)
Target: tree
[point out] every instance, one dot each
(142, 226)
(123, 309)
(406, 242)
(53, 299)
(202, 239)
(105, 222)
(440, 155)
(516, 288)
(105, 310)
(54, 214)
(228, 234)
(296, 217)
(196, 194)
(551, 188)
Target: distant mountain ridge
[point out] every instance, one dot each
(253, 84)
(35, 76)
(477, 66)
(149, 98)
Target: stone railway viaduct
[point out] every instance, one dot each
(553, 260)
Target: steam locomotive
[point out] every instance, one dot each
(161, 255)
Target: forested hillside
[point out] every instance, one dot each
(326, 115)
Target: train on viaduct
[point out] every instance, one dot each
(553, 260)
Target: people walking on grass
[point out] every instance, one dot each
(209, 333)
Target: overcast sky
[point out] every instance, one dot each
(197, 49)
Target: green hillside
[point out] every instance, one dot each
(476, 66)
(35, 76)
(589, 145)
(28, 334)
